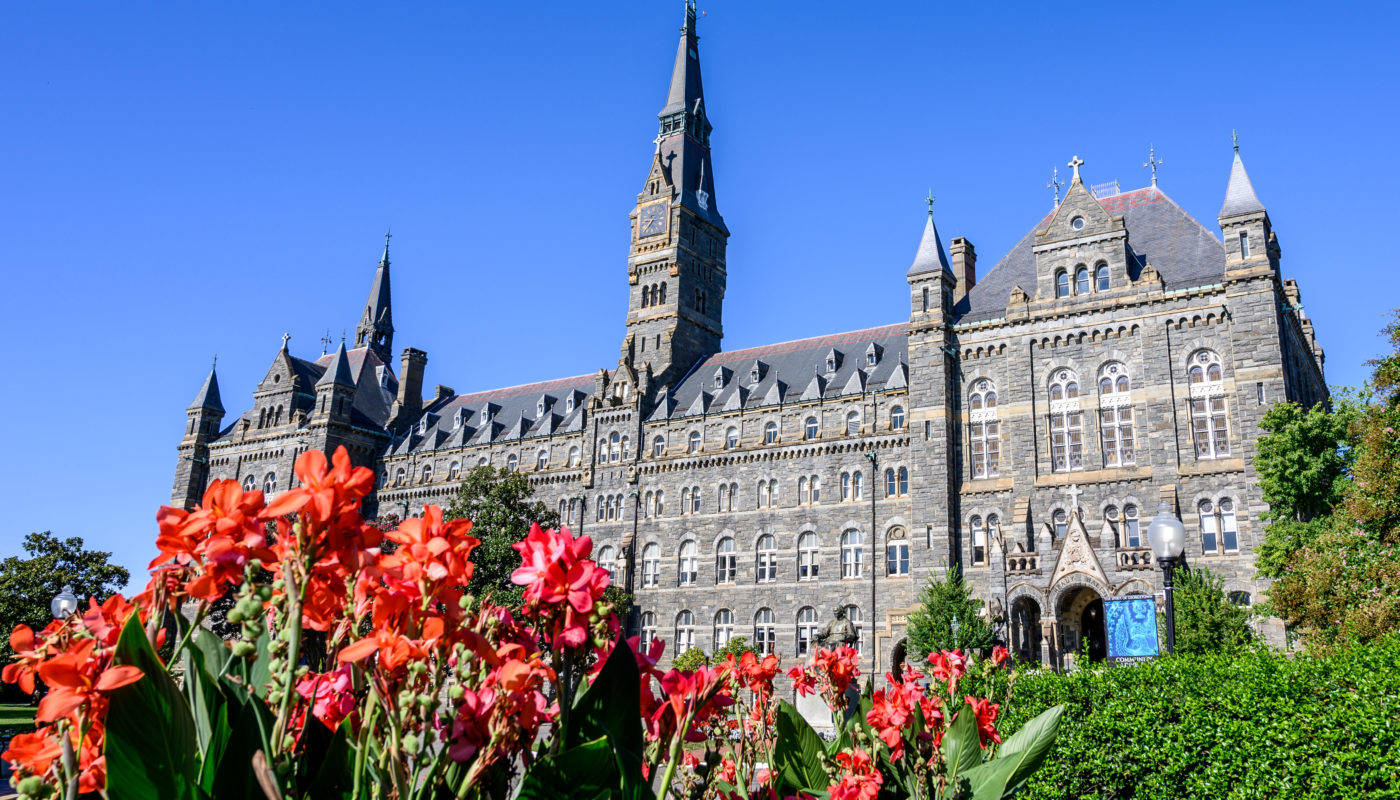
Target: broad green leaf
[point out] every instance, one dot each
(1027, 747)
(332, 777)
(610, 708)
(573, 773)
(988, 781)
(151, 745)
(248, 717)
(960, 747)
(216, 653)
(798, 753)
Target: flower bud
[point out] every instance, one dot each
(236, 615)
(34, 787)
(456, 692)
(410, 742)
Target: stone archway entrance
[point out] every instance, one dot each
(1081, 624)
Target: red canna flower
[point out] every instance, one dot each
(331, 695)
(29, 652)
(858, 778)
(34, 753)
(948, 666)
(76, 678)
(986, 712)
(394, 650)
(999, 655)
(207, 548)
(327, 490)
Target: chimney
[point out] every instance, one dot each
(409, 402)
(964, 259)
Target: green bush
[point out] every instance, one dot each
(1250, 724)
(690, 659)
(943, 605)
(1206, 621)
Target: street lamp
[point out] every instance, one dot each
(1167, 536)
(64, 603)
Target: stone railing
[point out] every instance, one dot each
(1022, 563)
(1135, 558)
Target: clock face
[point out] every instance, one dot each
(651, 220)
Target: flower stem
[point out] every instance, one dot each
(674, 756)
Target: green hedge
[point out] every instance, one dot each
(1254, 724)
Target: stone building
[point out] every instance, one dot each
(1024, 424)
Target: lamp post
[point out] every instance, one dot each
(955, 633)
(64, 603)
(1167, 536)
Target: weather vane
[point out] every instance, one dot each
(325, 341)
(1153, 163)
(930, 200)
(1055, 184)
(1235, 139)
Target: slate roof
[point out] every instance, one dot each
(1183, 250)
(208, 396)
(930, 256)
(500, 415)
(1239, 193)
(791, 371)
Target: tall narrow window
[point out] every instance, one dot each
(1209, 533)
(765, 634)
(897, 418)
(648, 630)
(651, 565)
(1101, 278)
(902, 475)
(810, 428)
(1209, 413)
(1229, 532)
(685, 631)
(766, 559)
(808, 557)
(852, 423)
(925, 306)
(694, 500)
(979, 541)
(1061, 522)
(845, 486)
(689, 565)
(770, 433)
(1081, 280)
(511, 462)
(984, 430)
(607, 558)
(731, 438)
(726, 561)
(803, 496)
(692, 443)
(852, 553)
(658, 446)
(1061, 283)
(1116, 416)
(891, 485)
(896, 553)
(1066, 423)
(1244, 244)
(615, 446)
(724, 628)
(574, 454)
(1132, 535)
(993, 527)
(542, 460)
(806, 629)
(816, 489)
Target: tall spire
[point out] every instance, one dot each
(208, 397)
(683, 136)
(931, 257)
(376, 328)
(1239, 193)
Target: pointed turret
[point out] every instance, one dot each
(930, 257)
(208, 397)
(376, 328)
(683, 141)
(338, 371)
(685, 75)
(1239, 193)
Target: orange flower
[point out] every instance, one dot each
(329, 490)
(28, 654)
(395, 650)
(209, 547)
(76, 678)
(433, 550)
(34, 753)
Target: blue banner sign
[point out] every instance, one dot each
(1131, 625)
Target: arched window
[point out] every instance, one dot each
(765, 634)
(1081, 280)
(816, 484)
(427, 473)
(399, 476)
(646, 296)
(897, 418)
(614, 446)
(1066, 423)
(993, 527)
(806, 629)
(903, 475)
(648, 630)
(1229, 532)
(685, 500)
(626, 447)
(1132, 537)
(454, 470)
(731, 438)
(483, 461)
(250, 483)
(891, 483)
(692, 442)
(1209, 418)
(693, 507)
(726, 562)
(857, 619)
(1101, 277)
(542, 460)
(688, 566)
(852, 553)
(810, 428)
(270, 483)
(663, 293)
(512, 462)
(573, 509)
(857, 491)
(979, 541)
(660, 502)
(723, 498)
(685, 631)
(1210, 542)
(607, 558)
(845, 486)
(651, 565)
(1116, 415)
(658, 446)
(765, 494)
(1219, 528)
(808, 557)
(1061, 283)
(896, 552)
(574, 454)
(766, 559)
(852, 423)
(1061, 522)
(770, 433)
(984, 430)
(803, 495)
(724, 628)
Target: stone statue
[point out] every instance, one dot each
(838, 631)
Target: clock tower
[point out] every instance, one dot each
(675, 266)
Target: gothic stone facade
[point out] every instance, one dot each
(1024, 426)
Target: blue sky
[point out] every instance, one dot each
(190, 179)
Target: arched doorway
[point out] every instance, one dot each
(1081, 624)
(1025, 629)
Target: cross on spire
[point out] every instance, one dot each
(930, 199)
(1055, 183)
(1076, 163)
(1153, 163)
(1235, 139)
(286, 337)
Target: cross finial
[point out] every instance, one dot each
(1055, 183)
(1076, 163)
(1074, 491)
(286, 337)
(342, 337)
(325, 341)
(1235, 139)
(1153, 163)
(930, 199)
(215, 363)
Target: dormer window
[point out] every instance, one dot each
(486, 415)
(569, 405)
(539, 408)
(719, 378)
(754, 375)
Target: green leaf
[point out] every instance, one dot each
(1027, 747)
(961, 749)
(260, 670)
(573, 773)
(798, 753)
(610, 708)
(333, 779)
(151, 745)
(248, 717)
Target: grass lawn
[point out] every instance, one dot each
(16, 716)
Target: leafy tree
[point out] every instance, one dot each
(1206, 621)
(27, 585)
(737, 646)
(1303, 464)
(498, 503)
(940, 603)
(690, 659)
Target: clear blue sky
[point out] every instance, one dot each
(195, 178)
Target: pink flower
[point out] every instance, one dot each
(331, 695)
